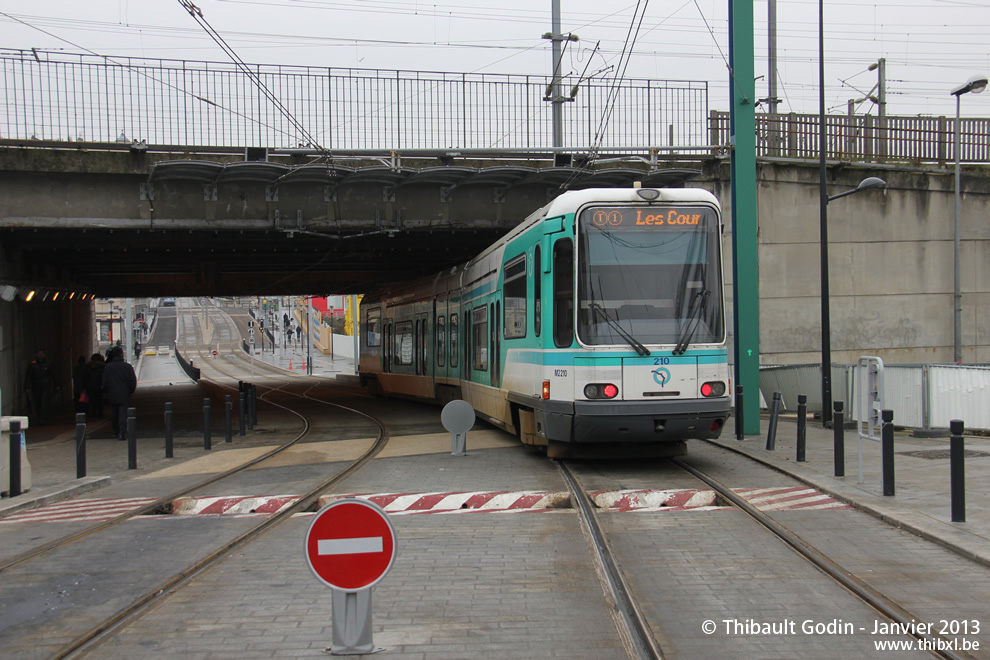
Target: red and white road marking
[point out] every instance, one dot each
(654, 500)
(618, 501)
(458, 502)
(232, 505)
(781, 499)
(93, 510)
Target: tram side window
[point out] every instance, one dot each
(441, 337)
(537, 292)
(514, 293)
(454, 346)
(404, 343)
(563, 293)
(479, 338)
(373, 329)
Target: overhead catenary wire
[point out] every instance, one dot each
(197, 15)
(141, 72)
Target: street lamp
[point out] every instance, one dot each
(976, 84)
(865, 184)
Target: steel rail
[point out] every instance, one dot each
(92, 637)
(873, 598)
(152, 506)
(634, 629)
(167, 499)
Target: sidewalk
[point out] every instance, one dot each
(922, 500)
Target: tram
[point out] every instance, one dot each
(597, 322)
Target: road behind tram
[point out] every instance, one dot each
(493, 558)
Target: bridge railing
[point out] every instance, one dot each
(56, 96)
(865, 137)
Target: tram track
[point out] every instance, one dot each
(307, 500)
(633, 627)
(874, 599)
(91, 637)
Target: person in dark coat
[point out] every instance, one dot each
(80, 378)
(119, 383)
(94, 387)
(41, 386)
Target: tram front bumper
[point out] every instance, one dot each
(634, 421)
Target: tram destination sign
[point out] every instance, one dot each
(630, 217)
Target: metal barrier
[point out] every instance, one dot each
(925, 397)
(870, 395)
(864, 138)
(191, 371)
(50, 95)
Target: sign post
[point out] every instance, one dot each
(350, 547)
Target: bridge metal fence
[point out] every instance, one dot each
(50, 95)
(865, 137)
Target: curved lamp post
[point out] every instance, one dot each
(865, 184)
(976, 84)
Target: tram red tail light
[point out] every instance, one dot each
(546, 389)
(714, 388)
(601, 391)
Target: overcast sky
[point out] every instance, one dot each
(930, 46)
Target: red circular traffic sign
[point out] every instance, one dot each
(350, 545)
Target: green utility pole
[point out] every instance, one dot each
(745, 271)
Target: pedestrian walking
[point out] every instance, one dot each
(80, 379)
(41, 385)
(119, 383)
(94, 387)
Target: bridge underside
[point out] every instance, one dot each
(137, 224)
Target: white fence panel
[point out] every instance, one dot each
(957, 392)
(905, 395)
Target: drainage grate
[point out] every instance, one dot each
(935, 454)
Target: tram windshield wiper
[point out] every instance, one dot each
(699, 304)
(632, 341)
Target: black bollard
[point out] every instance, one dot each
(227, 410)
(887, 447)
(241, 412)
(80, 445)
(207, 439)
(772, 431)
(957, 473)
(132, 438)
(802, 427)
(839, 439)
(169, 444)
(740, 433)
(252, 406)
(14, 464)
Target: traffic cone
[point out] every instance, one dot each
(290, 364)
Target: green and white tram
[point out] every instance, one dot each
(599, 320)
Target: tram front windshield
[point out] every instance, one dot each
(649, 273)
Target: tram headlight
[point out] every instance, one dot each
(600, 391)
(713, 388)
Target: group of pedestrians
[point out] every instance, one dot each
(95, 382)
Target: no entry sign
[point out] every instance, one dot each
(350, 545)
